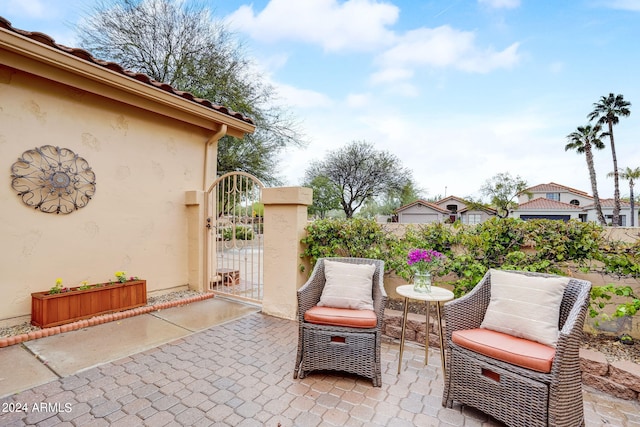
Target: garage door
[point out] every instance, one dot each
(564, 218)
(418, 218)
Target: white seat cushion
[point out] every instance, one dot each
(525, 306)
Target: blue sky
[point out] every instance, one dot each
(459, 90)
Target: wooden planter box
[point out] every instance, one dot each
(57, 309)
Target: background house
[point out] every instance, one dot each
(151, 148)
(555, 201)
(543, 201)
(543, 208)
(421, 212)
(452, 204)
(449, 209)
(476, 215)
(467, 213)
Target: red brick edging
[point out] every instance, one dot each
(97, 320)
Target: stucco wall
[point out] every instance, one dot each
(136, 222)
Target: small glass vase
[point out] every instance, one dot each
(422, 282)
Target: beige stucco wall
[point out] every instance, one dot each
(137, 221)
(285, 218)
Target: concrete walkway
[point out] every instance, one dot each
(156, 369)
(40, 361)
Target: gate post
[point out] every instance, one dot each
(194, 201)
(285, 219)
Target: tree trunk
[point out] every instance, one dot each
(594, 185)
(632, 201)
(616, 181)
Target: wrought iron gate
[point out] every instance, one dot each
(235, 237)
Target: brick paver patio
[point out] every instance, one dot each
(240, 374)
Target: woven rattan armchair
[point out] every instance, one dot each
(512, 394)
(349, 349)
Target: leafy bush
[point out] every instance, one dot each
(540, 245)
(356, 237)
(622, 259)
(241, 233)
(601, 295)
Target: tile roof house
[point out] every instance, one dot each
(543, 201)
(448, 209)
(421, 212)
(132, 157)
(555, 201)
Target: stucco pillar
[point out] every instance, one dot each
(285, 218)
(194, 200)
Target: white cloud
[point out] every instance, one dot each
(501, 4)
(275, 62)
(403, 89)
(446, 47)
(489, 60)
(354, 25)
(291, 96)
(632, 5)
(358, 100)
(391, 75)
(455, 153)
(29, 8)
(557, 67)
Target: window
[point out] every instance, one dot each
(452, 208)
(473, 219)
(553, 196)
(622, 220)
(575, 202)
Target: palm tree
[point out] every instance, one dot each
(630, 175)
(583, 140)
(609, 110)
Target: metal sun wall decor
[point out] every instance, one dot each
(53, 179)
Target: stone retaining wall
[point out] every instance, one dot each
(620, 379)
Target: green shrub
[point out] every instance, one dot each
(541, 245)
(601, 295)
(241, 233)
(356, 237)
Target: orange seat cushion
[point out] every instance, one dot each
(517, 351)
(341, 317)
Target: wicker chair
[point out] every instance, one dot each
(512, 394)
(349, 349)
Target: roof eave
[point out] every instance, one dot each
(24, 54)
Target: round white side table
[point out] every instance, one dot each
(437, 295)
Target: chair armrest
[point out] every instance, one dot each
(379, 293)
(570, 336)
(309, 294)
(467, 312)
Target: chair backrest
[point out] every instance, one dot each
(377, 280)
(349, 260)
(575, 294)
